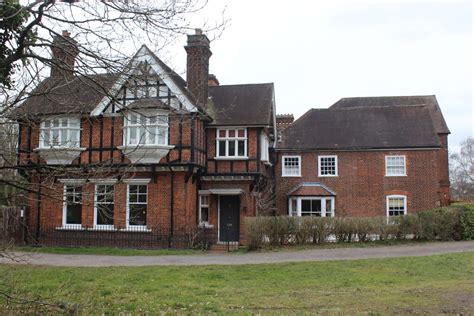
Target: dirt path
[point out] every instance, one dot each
(412, 250)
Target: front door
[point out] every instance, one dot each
(229, 221)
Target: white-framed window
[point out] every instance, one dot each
(311, 206)
(327, 166)
(291, 166)
(231, 143)
(395, 166)
(396, 205)
(146, 128)
(72, 208)
(60, 132)
(204, 208)
(264, 147)
(104, 205)
(137, 201)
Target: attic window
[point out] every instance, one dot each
(60, 132)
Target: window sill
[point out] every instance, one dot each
(136, 229)
(327, 176)
(291, 176)
(231, 158)
(205, 225)
(145, 153)
(395, 175)
(70, 227)
(59, 155)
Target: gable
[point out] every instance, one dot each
(147, 77)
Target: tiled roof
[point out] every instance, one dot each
(353, 128)
(247, 104)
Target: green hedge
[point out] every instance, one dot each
(447, 223)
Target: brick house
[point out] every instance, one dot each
(144, 150)
(376, 156)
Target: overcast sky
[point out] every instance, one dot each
(317, 52)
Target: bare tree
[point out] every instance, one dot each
(462, 171)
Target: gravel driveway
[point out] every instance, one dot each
(412, 250)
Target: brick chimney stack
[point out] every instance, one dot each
(284, 120)
(197, 74)
(65, 52)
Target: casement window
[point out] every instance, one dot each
(396, 205)
(145, 129)
(60, 132)
(204, 209)
(395, 166)
(72, 211)
(104, 205)
(291, 166)
(264, 147)
(137, 205)
(311, 206)
(231, 143)
(327, 166)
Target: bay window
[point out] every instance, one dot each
(60, 132)
(146, 128)
(231, 143)
(311, 206)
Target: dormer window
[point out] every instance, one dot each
(149, 128)
(61, 132)
(231, 143)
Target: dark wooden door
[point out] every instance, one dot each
(229, 222)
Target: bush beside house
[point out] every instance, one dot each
(447, 223)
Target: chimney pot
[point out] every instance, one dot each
(198, 31)
(66, 33)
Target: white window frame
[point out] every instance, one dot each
(335, 166)
(65, 224)
(201, 206)
(73, 124)
(101, 226)
(128, 225)
(387, 158)
(264, 147)
(229, 139)
(299, 199)
(161, 124)
(284, 173)
(396, 196)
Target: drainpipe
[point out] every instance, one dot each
(170, 236)
(38, 210)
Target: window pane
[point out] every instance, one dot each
(241, 149)
(137, 214)
(316, 207)
(73, 214)
(204, 214)
(105, 214)
(305, 207)
(222, 133)
(222, 144)
(241, 133)
(74, 137)
(231, 133)
(294, 207)
(231, 148)
(328, 207)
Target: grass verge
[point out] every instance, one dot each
(108, 251)
(426, 285)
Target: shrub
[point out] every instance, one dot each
(447, 223)
(467, 222)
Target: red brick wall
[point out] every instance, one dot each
(361, 185)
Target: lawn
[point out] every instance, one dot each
(430, 285)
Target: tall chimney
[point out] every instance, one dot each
(64, 55)
(197, 74)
